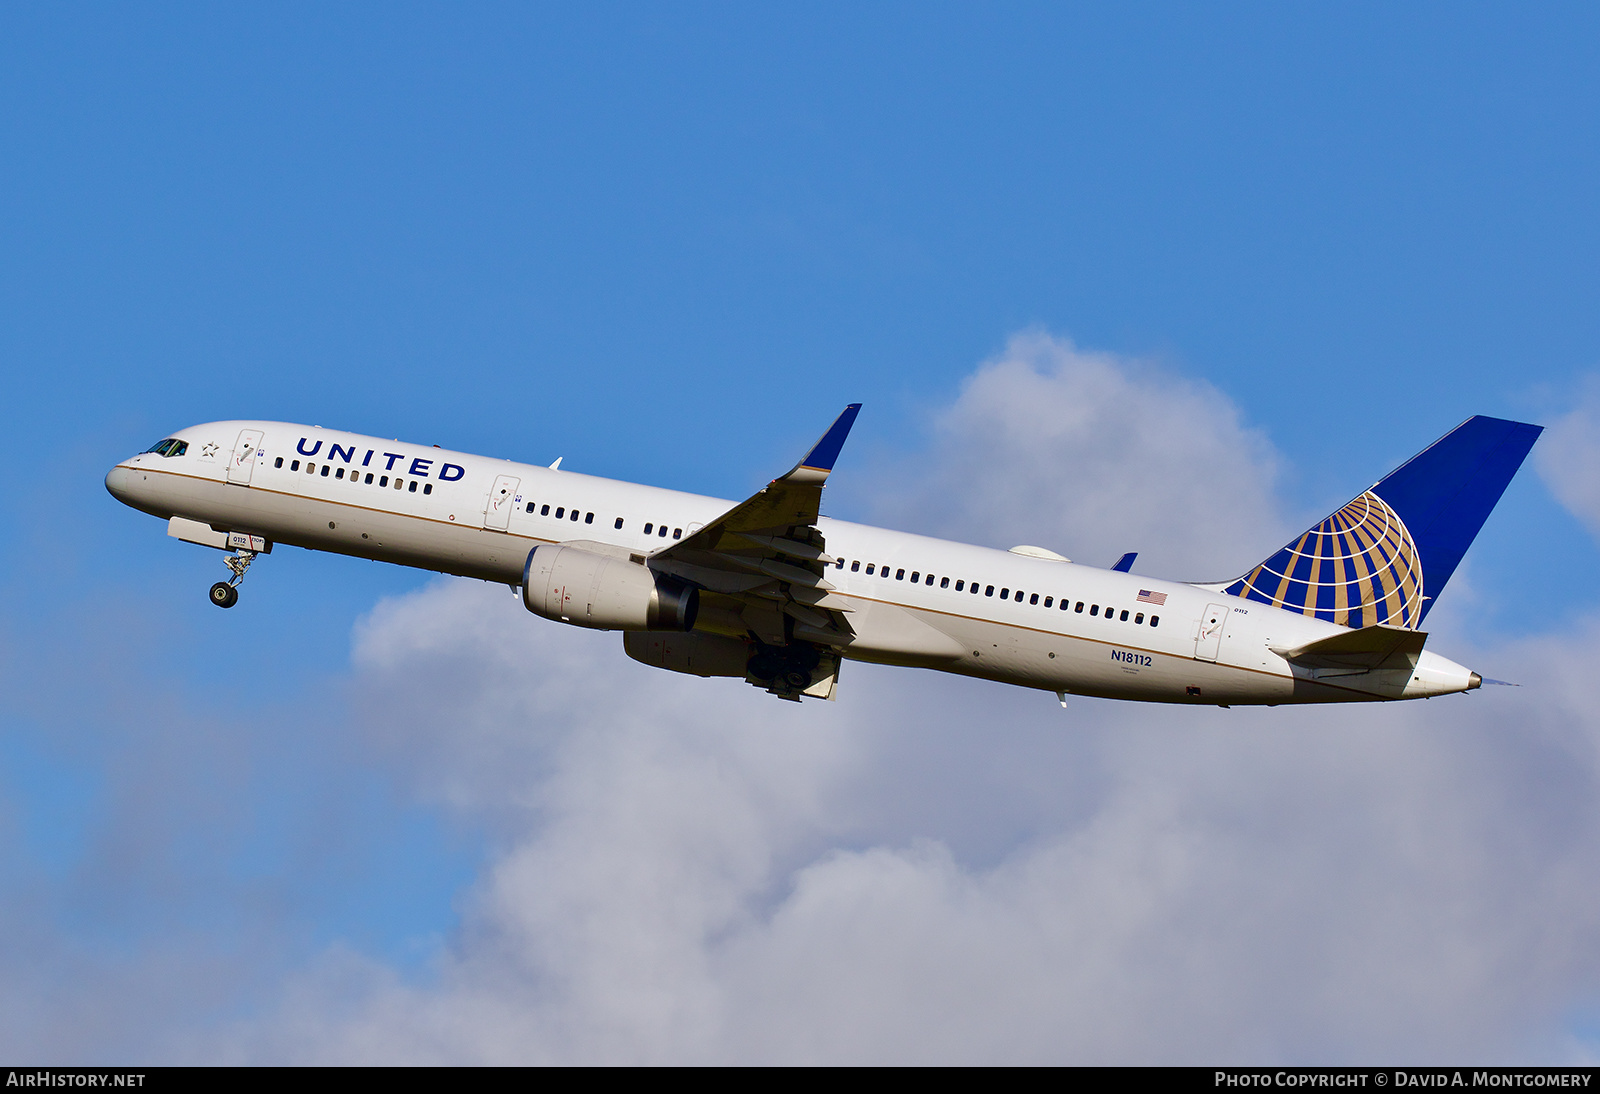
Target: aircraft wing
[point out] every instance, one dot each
(762, 565)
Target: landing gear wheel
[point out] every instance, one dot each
(224, 595)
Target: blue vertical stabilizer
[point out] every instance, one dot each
(1386, 556)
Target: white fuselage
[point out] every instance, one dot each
(926, 602)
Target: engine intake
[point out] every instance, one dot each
(587, 589)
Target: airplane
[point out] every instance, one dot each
(771, 592)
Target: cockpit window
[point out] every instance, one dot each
(169, 447)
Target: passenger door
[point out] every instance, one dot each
(1208, 639)
(243, 460)
(502, 499)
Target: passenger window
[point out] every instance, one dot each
(662, 531)
(339, 474)
(839, 564)
(960, 584)
(989, 591)
(544, 510)
(1034, 599)
(916, 578)
(855, 567)
(869, 568)
(944, 583)
(1047, 601)
(295, 466)
(1155, 621)
(1065, 603)
(1079, 608)
(325, 469)
(1139, 618)
(647, 527)
(399, 484)
(278, 462)
(413, 487)
(618, 525)
(383, 481)
(677, 533)
(531, 507)
(588, 518)
(574, 515)
(1124, 615)
(311, 469)
(561, 511)
(369, 478)
(1005, 594)
(900, 575)
(929, 580)
(428, 489)
(1094, 609)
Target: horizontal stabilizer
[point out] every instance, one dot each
(1379, 646)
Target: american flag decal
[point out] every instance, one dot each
(1148, 597)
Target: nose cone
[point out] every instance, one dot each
(119, 482)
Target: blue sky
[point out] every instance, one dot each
(668, 244)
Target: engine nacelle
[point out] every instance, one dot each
(588, 589)
(695, 654)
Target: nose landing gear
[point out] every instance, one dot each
(225, 594)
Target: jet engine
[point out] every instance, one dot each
(589, 589)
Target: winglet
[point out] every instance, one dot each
(1125, 563)
(815, 465)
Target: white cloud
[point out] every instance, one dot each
(1092, 455)
(1568, 457)
(703, 874)
(935, 869)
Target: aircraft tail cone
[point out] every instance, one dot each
(1474, 681)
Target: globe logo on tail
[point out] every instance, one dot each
(1357, 568)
